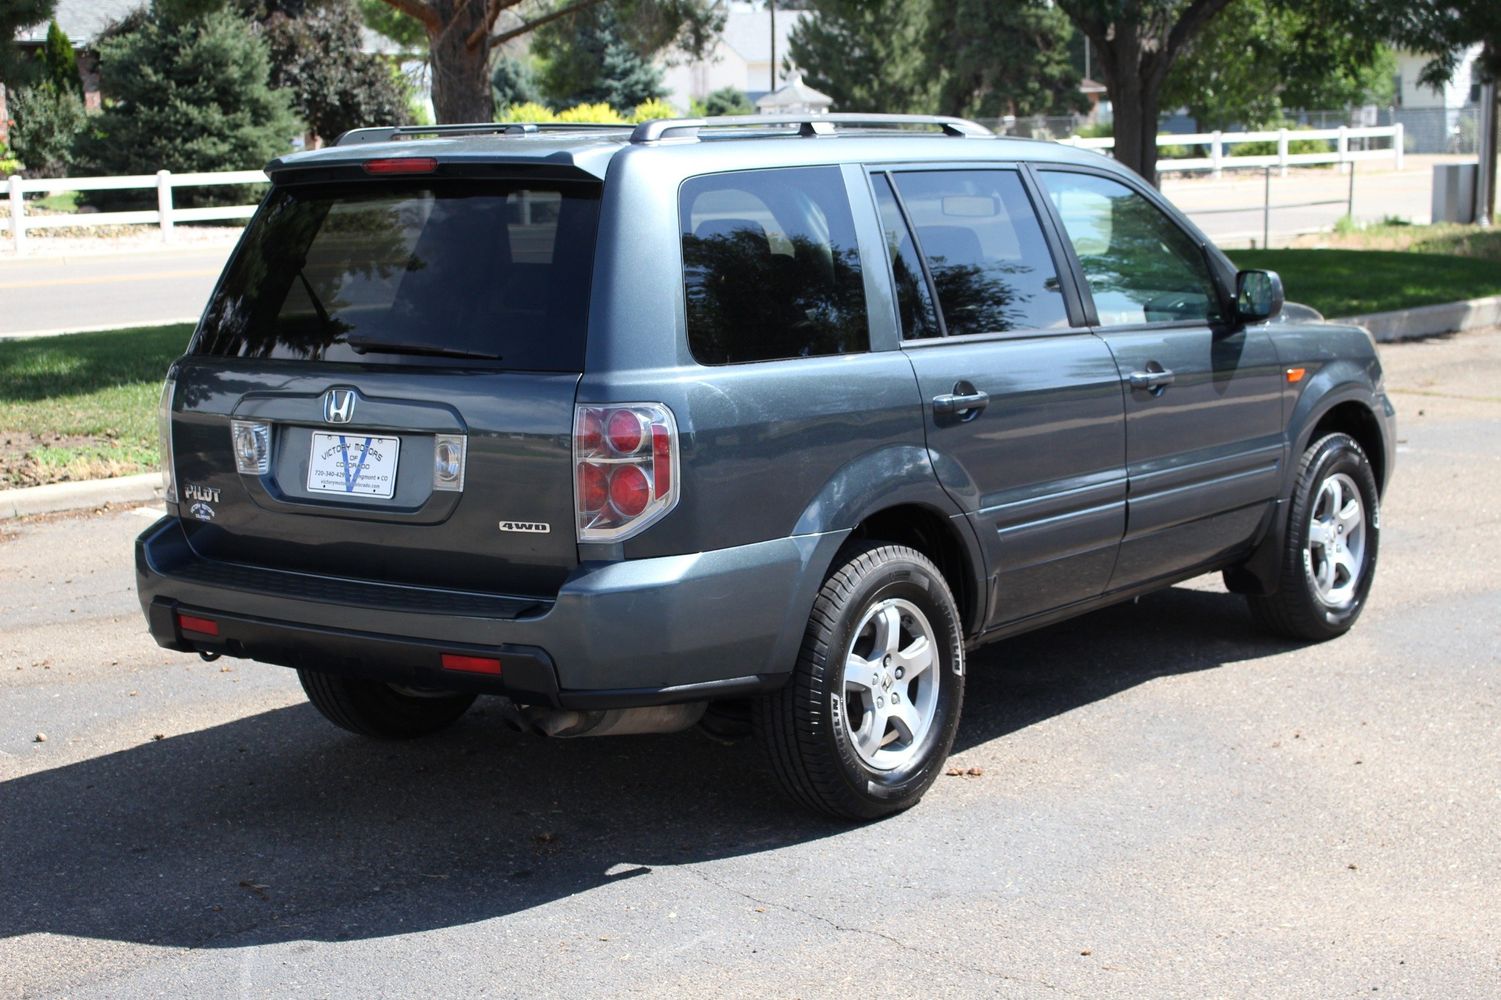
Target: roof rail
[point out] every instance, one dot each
(390, 133)
(807, 125)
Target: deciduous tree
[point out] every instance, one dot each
(461, 35)
(1267, 56)
(1136, 43)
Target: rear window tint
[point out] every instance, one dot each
(985, 249)
(412, 273)
(771, 267)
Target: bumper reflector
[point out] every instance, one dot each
(203, 626)
(471, 664)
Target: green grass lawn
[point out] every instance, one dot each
(83, 406)
(1387, 267)
(1348, 282)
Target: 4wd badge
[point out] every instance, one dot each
(534, 527)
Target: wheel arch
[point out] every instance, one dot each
(1347, 407)
(893, 494)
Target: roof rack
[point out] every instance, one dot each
(390, 133)
(806, 125)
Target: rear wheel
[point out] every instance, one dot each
(384, 711)
(866, 722)
(1329, 558)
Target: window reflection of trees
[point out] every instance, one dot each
(980, 298)
(265, 307)
(1146, 260)
(746, 303)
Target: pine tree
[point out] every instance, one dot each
(587, 60)
(60, 62)
(187, 94)
(868, 55)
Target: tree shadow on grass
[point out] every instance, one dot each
(36, 368)
(278, 827)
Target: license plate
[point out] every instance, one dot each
(353, 464)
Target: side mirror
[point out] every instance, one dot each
(1258, 296)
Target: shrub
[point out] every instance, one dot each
(728, 101)
(647, 110)
(531, 111)
(9, 164)
(49, 121)
(1268, 147)
(597, 113)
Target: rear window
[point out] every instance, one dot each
(771, 267)
(412, 273)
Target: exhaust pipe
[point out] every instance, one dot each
(566, 723)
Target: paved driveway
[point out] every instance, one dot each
(1169, 804)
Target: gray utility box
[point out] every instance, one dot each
(1454, 192)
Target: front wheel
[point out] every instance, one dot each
(1329, 558)
(866, 722)
(384, 711)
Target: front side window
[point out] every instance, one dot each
(1141, 267)
(984, 248)
(770, 266)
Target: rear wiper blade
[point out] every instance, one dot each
(372, 345)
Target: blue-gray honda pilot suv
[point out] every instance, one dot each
(750, 423)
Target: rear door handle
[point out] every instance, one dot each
(1155, 379)
(966, 399)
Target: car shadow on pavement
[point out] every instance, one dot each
(279, 827)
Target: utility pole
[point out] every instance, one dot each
(1485, 180)
(771, 5)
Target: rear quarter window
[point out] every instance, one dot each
(770, 266)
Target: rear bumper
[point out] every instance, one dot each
(639, 632)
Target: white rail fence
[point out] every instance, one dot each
(17, 222)
(1220, 160)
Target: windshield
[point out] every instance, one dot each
(411, 273)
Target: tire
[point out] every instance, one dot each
(1329, 554)
(383, 711)
(835, 740)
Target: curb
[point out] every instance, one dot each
(55, 497)
(113, 328)
(1429, 321)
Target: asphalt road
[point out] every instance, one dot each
(1171, 804)
(50, 293)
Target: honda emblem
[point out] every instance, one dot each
(338, 406)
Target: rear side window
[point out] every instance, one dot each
(770, 266)
(412, 273)
(984, 247)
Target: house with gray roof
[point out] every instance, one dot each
(83, 21)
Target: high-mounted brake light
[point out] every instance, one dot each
(401, 165)
(625, 458)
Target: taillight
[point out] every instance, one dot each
(625, 458)
(164, 432)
